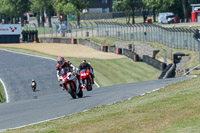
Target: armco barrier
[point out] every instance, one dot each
(56, 40)
(154, 63)
(104, 48)
(91, 44)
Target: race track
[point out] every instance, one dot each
(49, 102)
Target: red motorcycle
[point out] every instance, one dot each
(86, 79)
(70, 82)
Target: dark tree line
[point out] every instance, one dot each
(181, 8)
(13, 10)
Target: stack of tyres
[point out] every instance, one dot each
(30, 35)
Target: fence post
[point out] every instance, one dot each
(165, 55)
(199, 50)
(136, 32)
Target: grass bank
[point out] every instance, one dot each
(111, 71)
(194, 57)
(2, 94)
(173, 109)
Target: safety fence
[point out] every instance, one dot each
(180, 38)
(69, 30)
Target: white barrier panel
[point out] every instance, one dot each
(10, 29)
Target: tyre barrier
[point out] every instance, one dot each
(74, 41)
(112, 49)
(135, 57)
(118, 50)
(104, 48)
(30, 36)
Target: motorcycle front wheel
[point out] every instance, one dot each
(80, 93)
(71, 92)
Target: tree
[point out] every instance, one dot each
(5, 10)
(40, 7)
(14, 9)
(119, 6)
(76, 7)
(145, 11)
(158, 6)
(131, 6)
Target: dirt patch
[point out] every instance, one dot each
(66, 50)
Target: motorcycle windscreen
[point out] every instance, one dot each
(83, 70)
(63, 72)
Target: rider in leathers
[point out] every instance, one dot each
(85, 65)
(62, 63)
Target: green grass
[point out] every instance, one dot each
(173, 109)
(111, 71)
(2, 94)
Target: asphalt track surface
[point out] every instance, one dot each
(26, 107)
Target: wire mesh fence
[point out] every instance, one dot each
(180, 38)
(72, 29)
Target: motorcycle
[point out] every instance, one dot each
(33, 85)
(70, 82)
(86, 79)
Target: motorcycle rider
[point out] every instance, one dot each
(62, 63)
(85, 65)
(33, 84)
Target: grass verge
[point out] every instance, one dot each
(194, 57)
(111, 71)
(2, 94)
(173, 109)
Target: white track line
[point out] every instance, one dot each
(32, 123)
(5, 90)
(28, 54)
(38, 57)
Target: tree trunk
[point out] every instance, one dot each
(133, 16)
(6, 19)
(43, 19)
(38, 21)
(11, 19)
(49, 17)
(154, 14)
(78, 19)
(145, 13)
(184, 9)
(129, 17)
(22, 19)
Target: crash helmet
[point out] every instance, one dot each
(33, 80)
(83, 61)
(61, 60)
